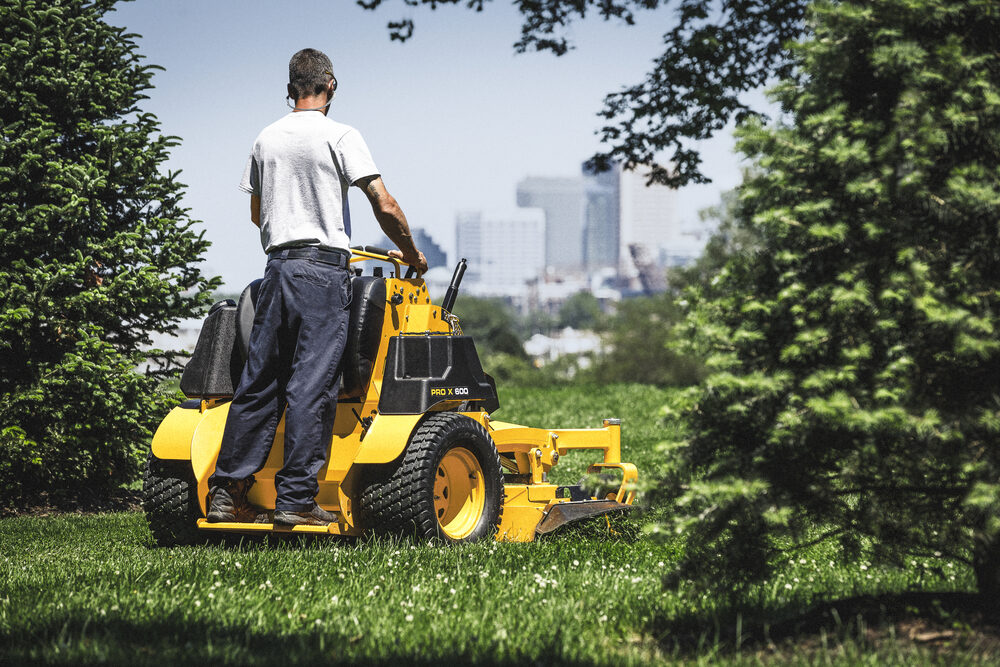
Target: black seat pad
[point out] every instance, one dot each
(363, 334)
(244, 317)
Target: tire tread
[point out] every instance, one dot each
(169, 501)
(396, 500)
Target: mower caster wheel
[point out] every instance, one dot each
(447, 485)
(170, 502)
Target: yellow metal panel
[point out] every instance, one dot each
(422, 316)
(205, 448)
(542, 493)
(508, 436)
(172, 439)
(520, 515)
(387, 438)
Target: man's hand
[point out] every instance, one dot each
(419, 262)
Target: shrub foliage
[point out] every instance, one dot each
(855, 361)
(96, 251)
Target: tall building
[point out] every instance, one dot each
(562, 199)
(433, 253)
(504, 252)
(647, 218)
(469, 243)
(600, 219)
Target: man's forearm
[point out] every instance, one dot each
(393, 223)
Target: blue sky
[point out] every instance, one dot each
(454, 118)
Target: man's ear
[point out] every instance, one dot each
(291, 91)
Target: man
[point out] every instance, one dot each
(297, 176)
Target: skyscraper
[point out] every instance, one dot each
(562, 199)
(433, 253)
(600, 226)
(647, 217)
(504, 251)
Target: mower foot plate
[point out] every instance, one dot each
(333, 528)
(562, 513)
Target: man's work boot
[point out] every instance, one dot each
(317, 516)
(228, 502)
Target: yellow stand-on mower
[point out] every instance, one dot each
(414, 450)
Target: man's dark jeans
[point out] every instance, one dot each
(298, 338)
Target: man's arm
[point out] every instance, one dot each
(255, 209)
(390, 217)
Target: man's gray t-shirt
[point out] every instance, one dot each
(301, 167)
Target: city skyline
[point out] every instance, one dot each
(453, 117)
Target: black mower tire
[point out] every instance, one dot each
(170, 502)
(399, 498)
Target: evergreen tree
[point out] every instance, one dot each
(96, 251)
(855, 359)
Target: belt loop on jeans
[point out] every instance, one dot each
(335, 256)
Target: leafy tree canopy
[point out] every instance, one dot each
(716, 50)
(855, 386)
(96, 251)
(491, 323)
(581, 311)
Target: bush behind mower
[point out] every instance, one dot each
(414, 450)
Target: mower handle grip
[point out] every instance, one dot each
(411, 271)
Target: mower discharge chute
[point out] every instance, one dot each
(414, 450)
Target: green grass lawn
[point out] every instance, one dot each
(92, 589)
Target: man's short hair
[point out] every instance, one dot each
(309, 71)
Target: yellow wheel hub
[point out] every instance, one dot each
(459, 493)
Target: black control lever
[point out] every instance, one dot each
(456, 280)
